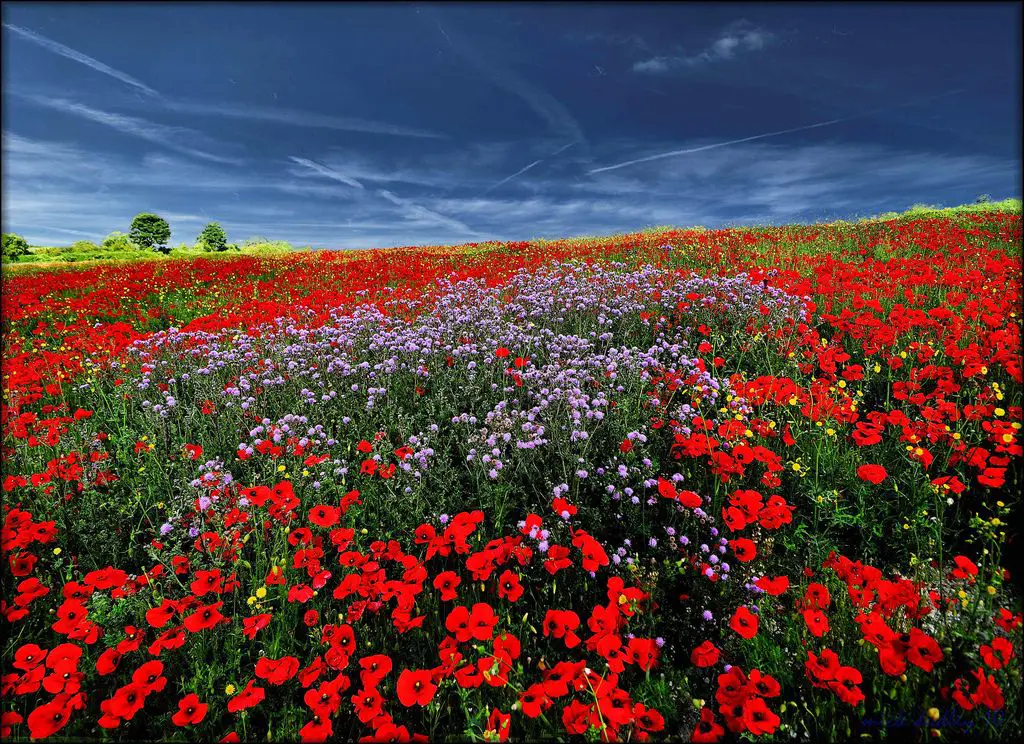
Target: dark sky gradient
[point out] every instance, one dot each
(352, 126)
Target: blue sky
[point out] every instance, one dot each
(352, 126)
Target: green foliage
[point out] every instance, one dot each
(150, 231)
(14, 247)
(118, 241)
(213, 237)
(81, 246)
(261, 246)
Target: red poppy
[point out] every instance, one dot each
(764, 684)
(253, 625)
(705, 655)
(758, 717)
(28, 657)
(775, 586)
(509, 587)
(744, 549)
(106, 578)
(445, 582)
(277, 671)
(872, 473)
(577, 717)
(374, 669)
(247, 698)
(965, 568)
(707, 729)
(822, 669)
(533, 700)
(368, 704)
(558, 558)
(817, 622)
(206, 582)
(324, 516)
(190, 711)
(415, 687)
(998, 654)
(9, 719)
(48, 719)
(127, 701)
(744, 622)
(108, 662)
(204, 618)
(988, 693)
(499, 726)
(150, 677)
(647, 719)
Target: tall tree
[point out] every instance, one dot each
(150, 231)
(213, 237)
(14, 247)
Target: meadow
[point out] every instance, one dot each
(754, 483)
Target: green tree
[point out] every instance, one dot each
(150, 231)
(84, 246)
(14, 247)
(213, 237)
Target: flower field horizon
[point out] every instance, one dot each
(744, 484)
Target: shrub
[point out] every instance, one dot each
(118, 241)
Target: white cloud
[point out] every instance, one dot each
(738, 37)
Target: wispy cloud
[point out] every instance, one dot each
(53, 184)
(288, 116)
(80, 233)
(633, 40)
(65, 51)
(737, 38)
(545, 105)
(421, 211)
(521, 171)
(173, 138)
(407, 206)
(325, 171)
(297, 118)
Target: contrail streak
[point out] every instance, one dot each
(169, 137)
(64, 51)
(323, 170)
(519, 172)
(423, 211)
(716, 145)
(405, 204)
(523, 170)
(257, 113)
(689, 150)
(298, 118)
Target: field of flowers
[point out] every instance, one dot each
(746, 483)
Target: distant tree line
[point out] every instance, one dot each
(148, 232)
